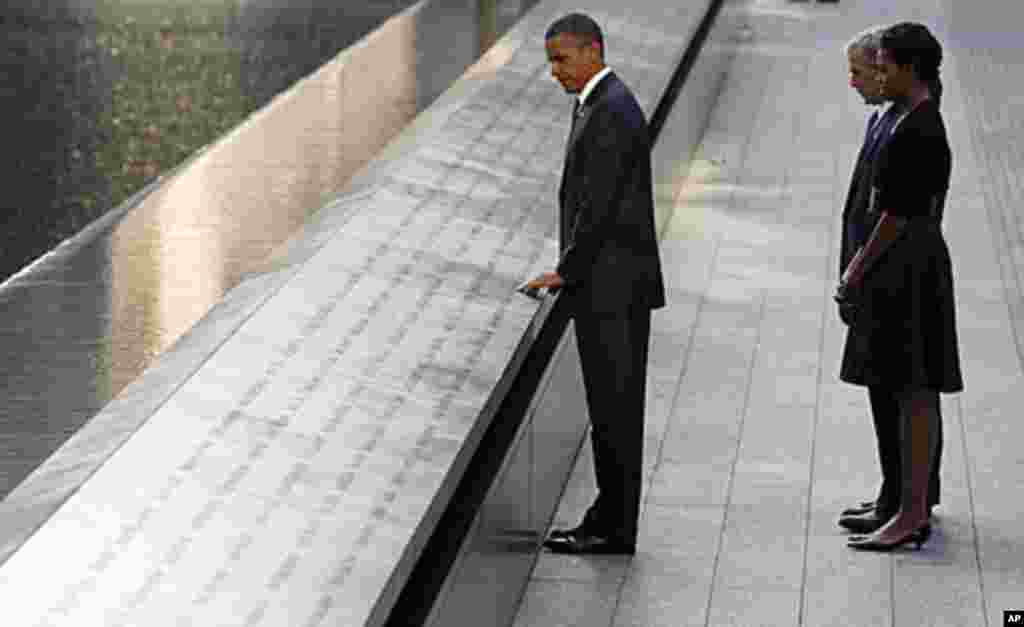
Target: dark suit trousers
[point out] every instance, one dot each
(613, 357)
(885, 410)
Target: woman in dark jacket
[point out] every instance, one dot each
(904, 332)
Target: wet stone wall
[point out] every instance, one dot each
(98, 97)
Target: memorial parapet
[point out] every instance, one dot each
(289, 479)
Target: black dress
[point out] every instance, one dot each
(905, 332)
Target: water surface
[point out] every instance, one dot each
(199, 103)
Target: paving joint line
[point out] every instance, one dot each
(819, 380)
(975, 539)
(736, 458)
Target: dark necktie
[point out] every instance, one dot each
(869, 136)
(572, 126)
(575, 116)
(879, 127)
(871, 123)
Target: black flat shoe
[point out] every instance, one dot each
(917, 537)
(580, 544)
(861, 508)
(864, 523)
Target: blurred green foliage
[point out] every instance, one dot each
(177, 86)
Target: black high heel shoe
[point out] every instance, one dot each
(917, 537)
(924, 531)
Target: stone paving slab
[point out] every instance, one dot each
(763, 445)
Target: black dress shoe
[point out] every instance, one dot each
(865, 523)
(577, 544)
(565, 533)
(861, 508)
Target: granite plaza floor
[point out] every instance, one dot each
(753, 444)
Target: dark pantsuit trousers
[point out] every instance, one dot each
(885, 410)
(613, 357)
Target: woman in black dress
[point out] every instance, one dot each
(904, 333)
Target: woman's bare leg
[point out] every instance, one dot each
(919, 426)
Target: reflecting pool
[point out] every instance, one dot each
(100, 96)
(236, 119)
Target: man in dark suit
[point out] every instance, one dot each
(868, 516)
(610, 272)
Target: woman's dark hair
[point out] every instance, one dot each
(935, 88)
(910, 43)
(581, 26)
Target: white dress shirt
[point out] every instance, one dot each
(591, 84)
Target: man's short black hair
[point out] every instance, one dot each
(580, 26)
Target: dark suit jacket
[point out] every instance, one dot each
(855, 214)
(609, 248)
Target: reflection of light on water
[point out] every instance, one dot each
(188, 243)
(193, 261)
(498, 55)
